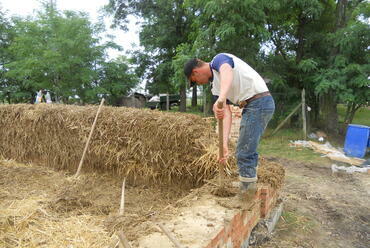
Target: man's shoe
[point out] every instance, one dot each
(248, 190)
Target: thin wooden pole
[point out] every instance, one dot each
(122, 206)
(221, 145)
(204, 101)
(167, 102)
(169, 235)
(115, 243)
(304, 120)
(123, 239)
(286, 119)
(88, 139)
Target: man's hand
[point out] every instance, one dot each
(223, 160)
(219, 112)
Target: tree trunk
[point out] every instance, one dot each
(348, 110)
(329, 104)
(329, 112)
(194, 99)
(209, 100)
(313, 115)
(351, 111)
(8, 97)
(341, 19)
(183, 98)
(300, 36)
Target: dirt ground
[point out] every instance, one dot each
(40, 207)
(322, 209)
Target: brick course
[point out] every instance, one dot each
(236, 232)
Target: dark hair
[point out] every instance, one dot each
(189, 66)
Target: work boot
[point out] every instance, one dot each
(248, 190)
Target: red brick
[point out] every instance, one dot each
(216, 240)
(243, 222)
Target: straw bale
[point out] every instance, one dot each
(140, 144)
(271, 173)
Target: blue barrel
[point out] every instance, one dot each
(357, 140)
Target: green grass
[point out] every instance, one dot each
(362, 116)
(293, 221)
(189, 110)
(279, 146)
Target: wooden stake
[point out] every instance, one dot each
(221, 146)
(286, 119)
(115, 243)
(121, 209)
(168, 101)
(123, 239)
(304, 115)
(88, 140)
(169, 235)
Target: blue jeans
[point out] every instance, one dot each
(255, 118)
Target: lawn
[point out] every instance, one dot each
(362, 116)
(279, 146)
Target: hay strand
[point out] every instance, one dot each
(123, 239)
(122, 206)
(170, 236)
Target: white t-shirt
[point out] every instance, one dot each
(246, 81)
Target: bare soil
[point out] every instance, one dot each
(322, 209)
(40, 207)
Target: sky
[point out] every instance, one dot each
(29, 7)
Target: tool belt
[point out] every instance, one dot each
(244, 103)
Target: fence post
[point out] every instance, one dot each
(304, 120)
(168, 102)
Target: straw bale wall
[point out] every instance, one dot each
(137, 143)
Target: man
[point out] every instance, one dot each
(234, 81)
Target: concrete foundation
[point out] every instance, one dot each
(211, 223)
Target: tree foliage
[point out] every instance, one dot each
(111, 76)
(319, 45)
(62, 52)
(165, 25)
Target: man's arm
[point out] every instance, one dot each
(226, 76)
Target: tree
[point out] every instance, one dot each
(5, 41)
(61, 52)
(295, 50)
(348, 70)
(116, 79)
(228, 26)
(165, 24)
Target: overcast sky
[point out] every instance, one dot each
(28, 7)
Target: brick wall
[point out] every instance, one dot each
(235, 234)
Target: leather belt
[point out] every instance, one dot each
(244, 103)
